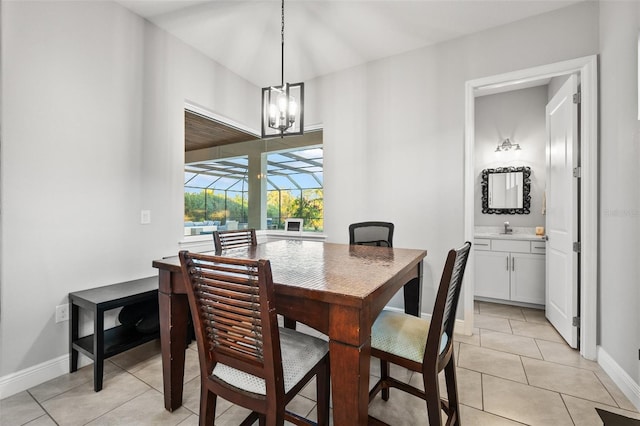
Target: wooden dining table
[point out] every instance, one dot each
(337, 289)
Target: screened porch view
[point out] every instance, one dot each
(216, 192)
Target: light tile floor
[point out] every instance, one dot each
(514, 370)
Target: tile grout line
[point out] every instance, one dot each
(526, 376)
(46, 413)
(482, 391)
(567, 408)
(607, 389)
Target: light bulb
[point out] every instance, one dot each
(282, 102)
(293, 110)
(273, 112)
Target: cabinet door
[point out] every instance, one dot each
(492, 274)
(527, 278)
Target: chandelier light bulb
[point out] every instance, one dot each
(282, 101)
(273, 112)
(293, 110)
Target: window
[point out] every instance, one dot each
(216, 192)
(294, 188)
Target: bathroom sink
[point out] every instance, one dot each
(511, 236)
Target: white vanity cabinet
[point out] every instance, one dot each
(510, 269)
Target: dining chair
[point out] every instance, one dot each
(245, 357)
(371, 234)
(423, 346)
(375, 233)
(223, 240)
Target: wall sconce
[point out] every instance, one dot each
(506, 145)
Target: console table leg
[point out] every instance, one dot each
(73, 336)
(289, 323)
(98, 349)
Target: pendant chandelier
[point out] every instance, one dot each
(282, 106)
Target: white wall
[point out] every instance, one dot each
(619, 290)
(520, 116)
(93, 126)
(394, 146)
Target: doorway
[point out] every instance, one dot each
(586, 68)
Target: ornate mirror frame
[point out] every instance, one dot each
(526, 197)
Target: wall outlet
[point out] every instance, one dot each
(62, 312)
(145, 217)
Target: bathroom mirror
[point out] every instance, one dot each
(505, 190)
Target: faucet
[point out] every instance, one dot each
(507, 230)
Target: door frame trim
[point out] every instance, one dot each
(587, 68)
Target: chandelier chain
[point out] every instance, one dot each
(282, 47)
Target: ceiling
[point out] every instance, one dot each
(299, 170)
(324, 36)
(201, 132)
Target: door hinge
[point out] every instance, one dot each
(576, 322)
(577, 172)
(577, 246)
(577, 98)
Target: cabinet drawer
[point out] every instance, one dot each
(482, 244)
(511, 245)
(538, 247)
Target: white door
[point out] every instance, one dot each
(562, 212)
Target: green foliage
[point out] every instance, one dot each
(310, 208)
(210, 205)
(307, 205)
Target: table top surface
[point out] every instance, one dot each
(324, 270)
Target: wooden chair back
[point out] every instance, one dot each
(443, 317)
(223, 240)
(234, 315)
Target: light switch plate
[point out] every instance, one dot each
(145, 217)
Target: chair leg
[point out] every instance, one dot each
(432, 396)
(452, 391)
(384, 375)
(323, 394)
(275, 419)
(207, 406)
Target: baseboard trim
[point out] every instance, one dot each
(22, 380)
(627, 385)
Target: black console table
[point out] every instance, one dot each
(103, 344)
